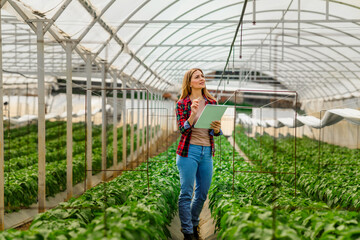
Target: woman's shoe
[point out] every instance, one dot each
(189, 236)
(197, 232)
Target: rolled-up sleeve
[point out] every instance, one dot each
(183, 124)
(212, 133)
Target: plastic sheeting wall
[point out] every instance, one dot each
(342, 133)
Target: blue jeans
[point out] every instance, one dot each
(197, 166)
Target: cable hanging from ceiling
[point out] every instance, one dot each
(232, 45)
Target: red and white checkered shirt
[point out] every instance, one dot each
(183, 111)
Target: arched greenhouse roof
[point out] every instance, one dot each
(309, 46)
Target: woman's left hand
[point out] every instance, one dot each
(216, 125)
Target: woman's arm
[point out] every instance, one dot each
(183, 124)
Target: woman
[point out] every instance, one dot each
(195, 151)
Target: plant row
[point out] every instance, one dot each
(56, 150)
(263, 206)
(336, 184)
(27, 143)
(21, 186)
(119, 209)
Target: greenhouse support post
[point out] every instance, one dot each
(233, 153)
(151, 116)
(295, 119)
(160, 115)
(132, 124)
(88, 182)
(69, 135)
(115, 147)
(147, 141)
(319, 143)
(41, 114)
(157, 119)
(2, 205)
(144, 131)
(138, 126)
(104, 123)
(124, 123)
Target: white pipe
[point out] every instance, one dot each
(69, 135)
(138, 125)
(88, 123)
(115, 147)
(104, 123)
(124, 124)
(132, 124)
(2, 205)
(41, 116)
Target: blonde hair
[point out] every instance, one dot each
(186, 89)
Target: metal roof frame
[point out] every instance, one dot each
(154, 64)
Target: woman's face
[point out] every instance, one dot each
(197, 80)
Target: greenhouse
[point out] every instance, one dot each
(168, 119)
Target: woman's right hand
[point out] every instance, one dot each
(194, 107)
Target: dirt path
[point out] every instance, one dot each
(207, 225)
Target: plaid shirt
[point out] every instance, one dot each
(183, 111)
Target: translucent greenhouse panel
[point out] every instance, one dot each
(324, 65)
(255, 36)
(264, 5)
(95, 38)
(143, 54)
(170, 53)
(120, 10)
(325, 74)
(156, 53)
(205, 51)
(206, 33)
(229, 9)
(358, 75)
(139, 72)
(162, 32)
(197, 34)
(349, 85)
(314, 12)
(74, 19)
(351, 11)
(178, 35)
(351, 53)
(340, 67)
(319, 90)
(110, 51)
(262, 14)
(197, 10)
(212, 53)
(142, 37)
(173, 11)
(122, 60)
(128, 30)
(340, 87)
(211, 36)
(145, 76)
(131, 66)
(157, 66)
(150, 80)
(148, 12)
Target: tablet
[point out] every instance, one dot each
(209, 114)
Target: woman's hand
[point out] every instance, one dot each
(194, 109)
(216, 125)
(195, 106)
